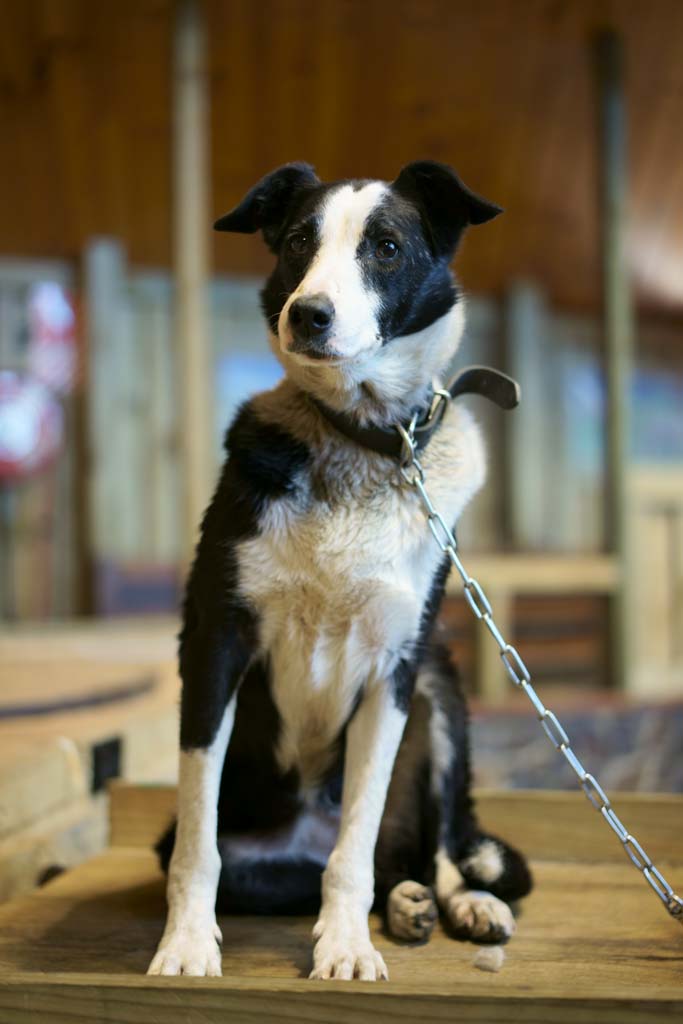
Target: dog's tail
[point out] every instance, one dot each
(489, 863)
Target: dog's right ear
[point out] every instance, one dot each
(266, 205)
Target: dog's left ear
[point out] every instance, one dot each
(447, 205)
(266, 205)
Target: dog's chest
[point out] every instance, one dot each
(339, 588)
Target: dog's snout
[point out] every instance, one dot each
(311, 317)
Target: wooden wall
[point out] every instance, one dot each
(502, 89)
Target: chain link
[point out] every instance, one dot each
(413, 474)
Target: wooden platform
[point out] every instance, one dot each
(79, 702)
(593, 944)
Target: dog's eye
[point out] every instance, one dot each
(297, 244)
(386, 250)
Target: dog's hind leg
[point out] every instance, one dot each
(476, 876)
(474, 914)
(406, 843)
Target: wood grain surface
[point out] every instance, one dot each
(547, 824)
(593, 944)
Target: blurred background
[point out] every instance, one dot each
(129, 334)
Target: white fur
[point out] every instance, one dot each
(385, 382)
(189, 944)
(339, 588)
(343, 948)
(448, 877)
(442, 747)
(336, 273)
(487, 862)
(479, 912)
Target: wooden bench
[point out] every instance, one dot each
(593, 943)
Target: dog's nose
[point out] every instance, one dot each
(311, 317)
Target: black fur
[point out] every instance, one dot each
(218, 630)
(446, 204)
(415, 288)
(267, 204)
(302, 218)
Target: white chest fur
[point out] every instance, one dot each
(339, 585)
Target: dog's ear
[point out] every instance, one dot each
(266, 205)
(447, 205)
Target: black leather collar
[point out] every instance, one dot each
(474, 380)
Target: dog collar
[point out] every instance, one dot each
(474, 380)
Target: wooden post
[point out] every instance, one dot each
(104, 283)
(618, 329)
(527, 358)
(191, 260)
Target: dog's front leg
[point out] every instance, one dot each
(343, 948)
(211, 667)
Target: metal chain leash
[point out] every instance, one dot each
(413, 474)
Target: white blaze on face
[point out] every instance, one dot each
(335, 272)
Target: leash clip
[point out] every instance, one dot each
(440, 400)
(409, 468)
(408, 443)
(438, 406)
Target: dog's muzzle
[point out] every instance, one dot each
(310, 324)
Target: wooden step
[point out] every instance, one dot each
(593, 943)
(80, 702)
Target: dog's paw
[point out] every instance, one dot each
(344, 953)
(479, 916)
(191, 951)
(411, 911)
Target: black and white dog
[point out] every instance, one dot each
(324, 749)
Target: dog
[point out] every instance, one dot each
(324, 765)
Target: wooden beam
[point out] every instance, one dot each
(191, 260)
(618, 329)
(554, 825)
(541, 574)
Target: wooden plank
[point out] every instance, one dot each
(656, 485)
(139, 814)
(656, 511)
(78, 949)
(99, 998)
(542, 574)
(63, 838)
(36, 778)
(549, 825)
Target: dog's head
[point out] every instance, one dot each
(360, 264)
